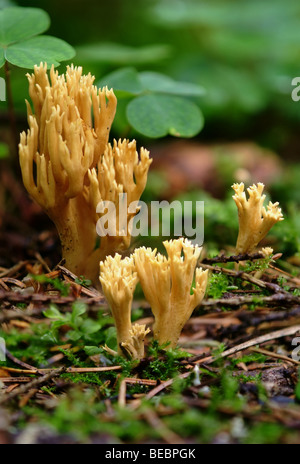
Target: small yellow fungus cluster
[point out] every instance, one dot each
(255, 221)
(118, 279)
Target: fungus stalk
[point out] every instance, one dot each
(68, 167)
(167, 284)
(255, 220)
(118, 279)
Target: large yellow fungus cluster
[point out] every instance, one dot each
(68, 167)
(167, 283)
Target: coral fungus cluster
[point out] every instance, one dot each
(71, 170)
(167, 283)
(255, 221)
(68, 166)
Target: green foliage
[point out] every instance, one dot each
(243, 60)
(21, 44)
(218, 285)
(249, 358)
(155, 106)
(159, 115)
(287, 231)
(258, 264)
(120, 54)
(30, 344)
(4, 150)
(227, 393)
(165, 364)
(80, 326)
(220, 217)
(265, 433)
(83, 281)
(58, 284)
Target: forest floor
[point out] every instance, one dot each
(233, 379)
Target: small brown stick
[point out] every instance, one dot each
(164, 385)
(124, 382)
(33, 384)
(13, 379)
(275, 355)
(42, 261)
(254, 341)
(245, 276)
(4, 286)
(21, 363)
(122, 394)
(157, 424)
(14, 297)
(233, 258)
(17, 313)
(24, 400)
(71, 370)
(12, 281)
(281, 298)
(87, 291)
(10, 272)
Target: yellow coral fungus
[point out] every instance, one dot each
(255, 220)
(135, 345)
(118, 279)
(68, 166)
(167, 284)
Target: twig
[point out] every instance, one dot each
(122, 389)
(71, 370)
(14, 297)
(275, 355)
(164, 385)
(243, 275)
(33, 384)
(233, 259)
(254, 341)
(42, 261)
(21, 363)
(280, 297)
(168, 435)
(92, 292)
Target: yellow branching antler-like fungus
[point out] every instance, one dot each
(68, 166)
(118, 279)
(255, 220)
(135, 346)
(167, 284)
(120, 171)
